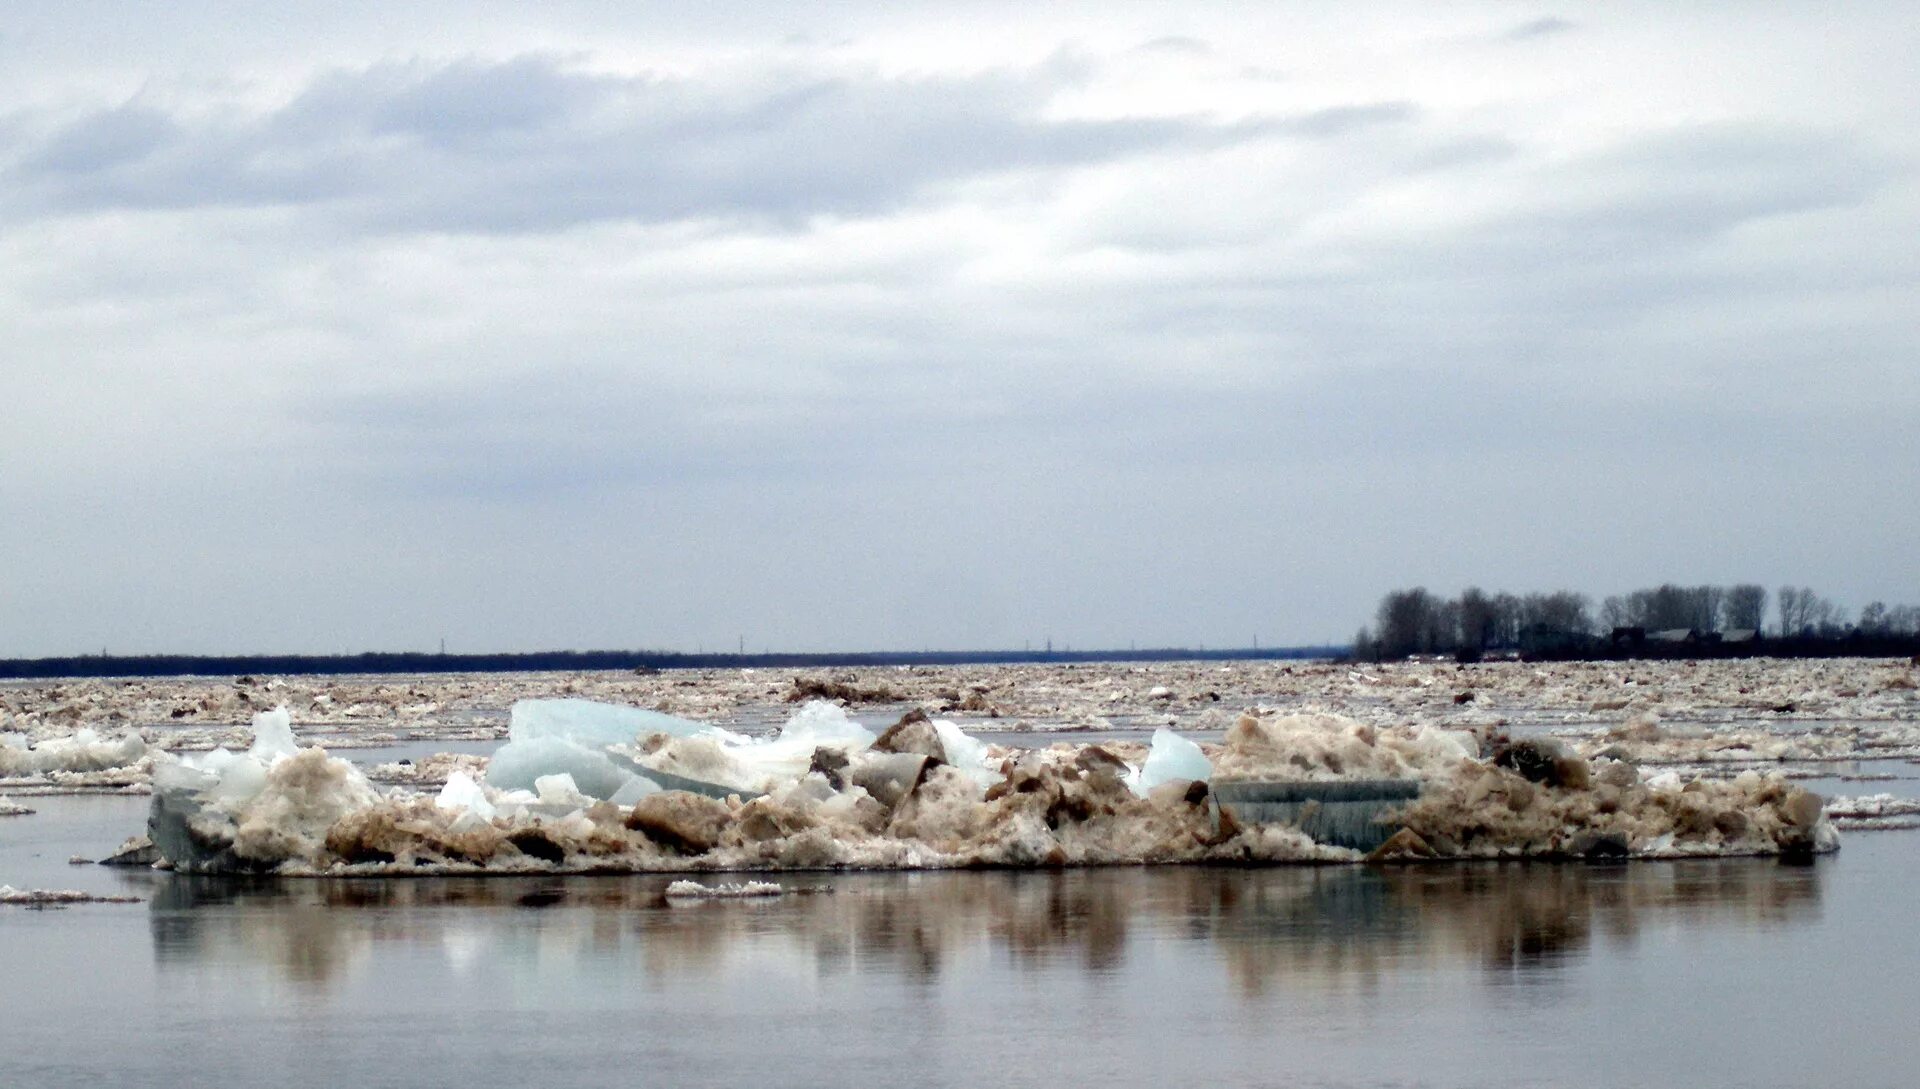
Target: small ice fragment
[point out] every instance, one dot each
(1666, 782)
(1171, 757)
(461, 792)
(43, 897)
(272, 736)
(966, 753)
(694, 890)
(558, 791)
(11, 808)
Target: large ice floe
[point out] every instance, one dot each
(587, 787)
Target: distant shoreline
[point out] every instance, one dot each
(377, 662)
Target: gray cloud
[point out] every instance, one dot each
(1545, 27)
(532, 143)
(837, 343)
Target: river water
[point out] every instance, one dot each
(1719, 973)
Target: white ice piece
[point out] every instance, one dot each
(570, 736)
(272, 736)
(86, 750)
(518, 764)
(1171, 758)
(559, 791)
(694, 890)
(592, 724)
(756, 765)
(967, 753)
(230, 777)
(461, 792)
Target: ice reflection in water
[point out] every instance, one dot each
(1735, 972)
(1332, 927)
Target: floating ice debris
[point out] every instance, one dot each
(254, 809)
(1876, 824)
(745, 890)
(1872, 806)
(822, 795)
(85, 750)
(135, 851)
(1171, 758)
(11, 808)
(56, 897)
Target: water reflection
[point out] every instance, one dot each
(1268, 928)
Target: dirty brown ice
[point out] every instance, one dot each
(590, 787)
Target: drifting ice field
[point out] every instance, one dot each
(988, 766)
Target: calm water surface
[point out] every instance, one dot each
(1738, 973)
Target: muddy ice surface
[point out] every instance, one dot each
(826, 792)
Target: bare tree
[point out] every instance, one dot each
(1506, 611)
(1613, 612)
(1792, 614)
(1479, 619)
(1873, 618)
(1404, 622)
(1707, 603)
(1746, 607)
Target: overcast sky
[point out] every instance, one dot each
(663, 325)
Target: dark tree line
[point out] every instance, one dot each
(175, 665)
(1417, 621)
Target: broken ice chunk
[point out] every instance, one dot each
(559, 792)
(570, 736)
(86, 750)
(518, 764)
(272, 736)
(461, 792)
(1171, 758)
(591, 724)
(718, 762)
(694, 890)
(966, 753)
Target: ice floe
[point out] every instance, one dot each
(84, 750)
(825, 792)
(58, 897)
(740, 890)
